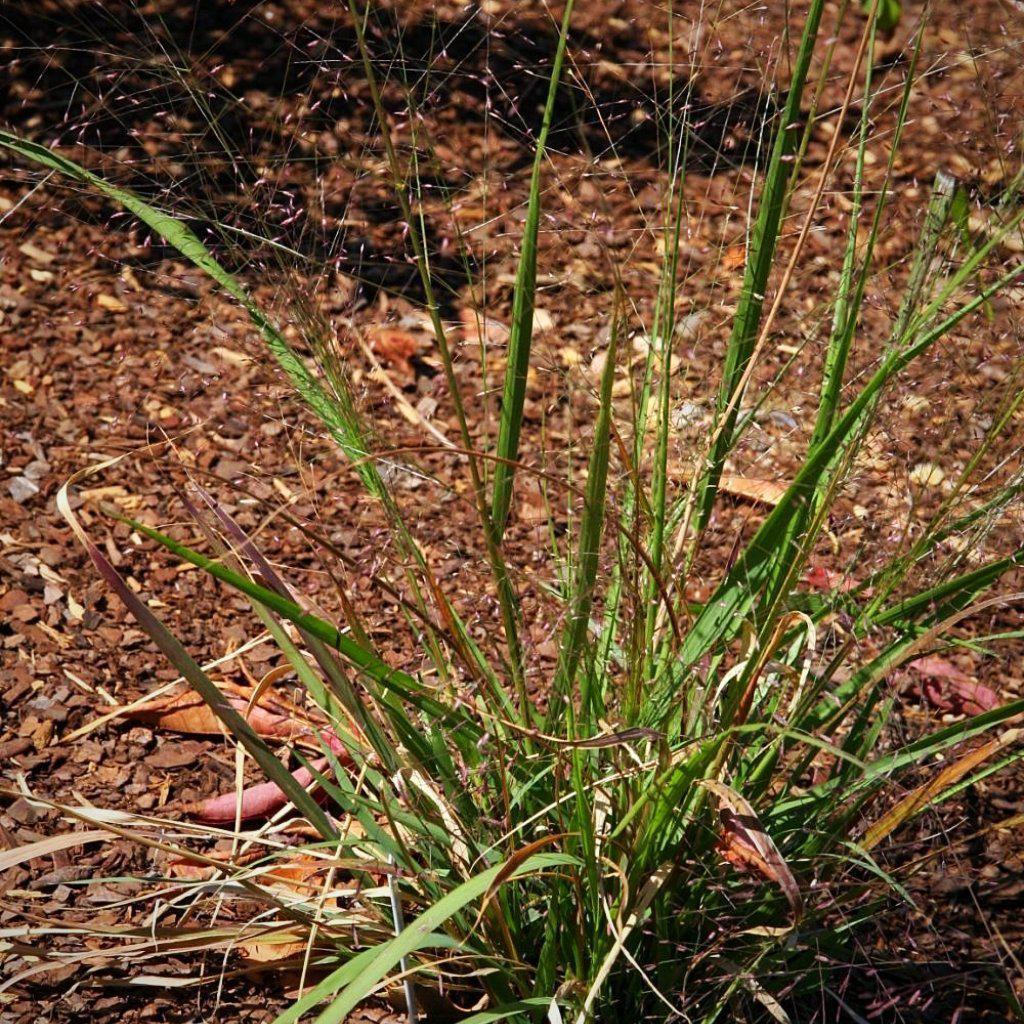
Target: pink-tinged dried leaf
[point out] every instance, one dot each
(938, 668)
(948, 688)
(742, 857)
(975, 698)
(818, 577)
(746, 845)
(257, 802)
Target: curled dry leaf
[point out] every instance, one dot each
(745, 844)
(187, 712)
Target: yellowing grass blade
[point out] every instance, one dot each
(918, 800)
(51, 844)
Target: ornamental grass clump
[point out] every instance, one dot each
(680, 820)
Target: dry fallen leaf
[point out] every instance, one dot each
(542, 320)
(938, 668)
(110, 303)
(765, 492)
(273, 946)
(187, 712)
(948, 688)
(819, 578)
(33, 252)
(734, 257)
(927, 474)
(229, 355)
(569, 356)
(477, 326)
(302, 876)
(394, 347)
(746, 845)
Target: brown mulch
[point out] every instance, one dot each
(113, 346)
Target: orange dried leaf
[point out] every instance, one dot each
(187, 712)
(394, 347)
(742, 857)
(274, 946)
(764, 492)
(734, 257)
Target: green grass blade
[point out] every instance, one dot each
(521, 336)
(847, 304)
(759, 264)
(574, 637)
(724, 614)
(417, 934)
